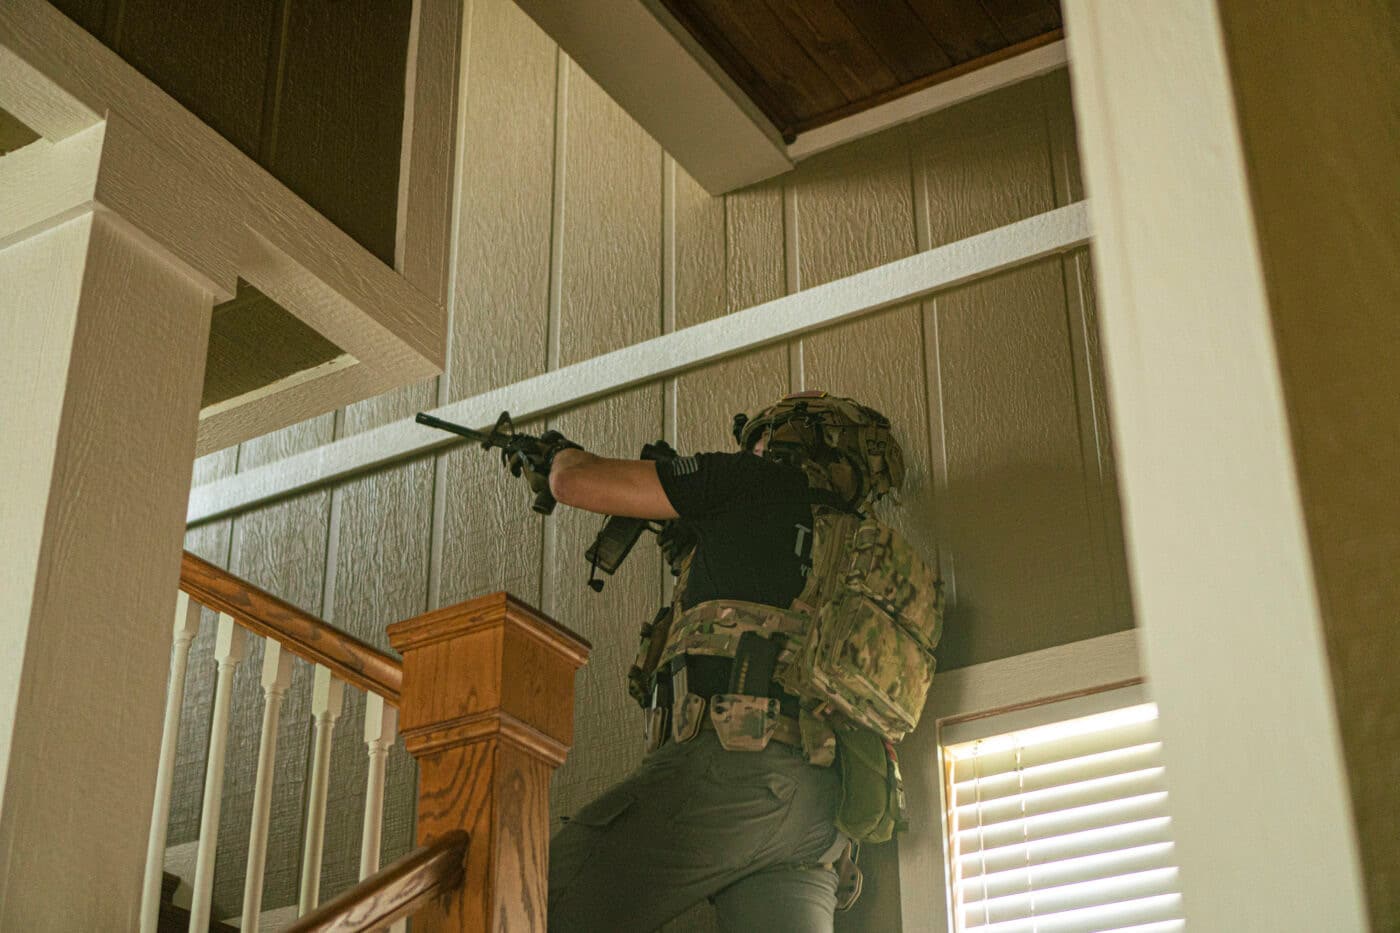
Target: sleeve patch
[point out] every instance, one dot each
(684, 466)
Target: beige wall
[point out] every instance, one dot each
(576, 235)
(1315, 84)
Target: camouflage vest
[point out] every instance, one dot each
(857, 641)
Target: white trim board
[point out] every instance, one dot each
(895, 283)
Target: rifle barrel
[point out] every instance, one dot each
(468, 433)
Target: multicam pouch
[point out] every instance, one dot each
(868, 652)
(744, 723)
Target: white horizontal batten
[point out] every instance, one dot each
(1055, 774)
(894, 283)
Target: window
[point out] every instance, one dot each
(1058, 819)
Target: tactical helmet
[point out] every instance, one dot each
(840, 443)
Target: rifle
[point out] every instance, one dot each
(619, 532)
(505, 438)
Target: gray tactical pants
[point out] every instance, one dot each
(745, 829)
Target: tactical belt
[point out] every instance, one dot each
(707, 675)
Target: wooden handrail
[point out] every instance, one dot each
(395, 892)
(299, 632)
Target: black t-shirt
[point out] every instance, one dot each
(752, 520)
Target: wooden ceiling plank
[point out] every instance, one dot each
(834, 43)
(735, 65)
(947, 74)
(786, 68)
(899, 37)
(1023, 19)
(961, 27)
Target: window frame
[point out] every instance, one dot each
(1008, 685)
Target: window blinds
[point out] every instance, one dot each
(1063, 827)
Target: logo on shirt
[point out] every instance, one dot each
(684, 466)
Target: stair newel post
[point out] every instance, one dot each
(276, 679)
(381, 727)
(328, 696)
(487, 710)
(229, 652)
(187, 614)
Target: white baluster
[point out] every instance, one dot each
(381, 727)
(326, 701)
(186, 627)
(229, 652)
(276, 678)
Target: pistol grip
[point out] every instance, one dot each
(544, 502)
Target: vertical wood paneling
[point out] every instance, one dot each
(1091, 387)
(729, 256)
(500, 312)
(280, 548)
(855, 210)
(501, 295)
(89, 14)
(607, 722)
(1022, 541)
(339, 116)
(381, 576)
(209, 55)
(610, 298)
(293, 439)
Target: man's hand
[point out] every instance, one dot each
(535, 458)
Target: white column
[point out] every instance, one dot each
(327, 698)
(187, 613)
(276, 678)
(1223, 577)
(102, 343)
(229, 652)
(381, 728)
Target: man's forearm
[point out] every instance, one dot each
(609, 487)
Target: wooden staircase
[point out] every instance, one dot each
(484, 699)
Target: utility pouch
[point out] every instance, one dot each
(641, 678)
(687, 716)
(866, 813)
(744, 723)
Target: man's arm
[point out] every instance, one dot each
(609, 487)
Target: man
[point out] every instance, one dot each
(737, 801)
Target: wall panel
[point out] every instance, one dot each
(501, 298)
(210, 55)
(282, 549)
(610, 297)
(381, 577)
(576, 237)
(1026, 560)
(728, 257)
(855, 210)
(338, 118)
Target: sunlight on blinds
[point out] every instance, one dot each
(1063, 828)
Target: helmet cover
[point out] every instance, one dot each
(841, 444)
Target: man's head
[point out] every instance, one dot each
(847, 444)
